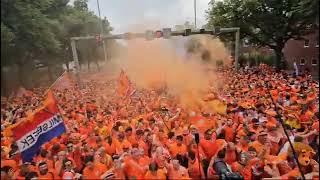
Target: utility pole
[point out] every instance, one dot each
(195, 13)
(101, 32)
(236, 53)
(76, 61)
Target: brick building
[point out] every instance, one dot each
(305, 53)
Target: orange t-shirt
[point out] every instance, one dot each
(102, 167)
(209, 148)
(229, 134)
(158, 175)
(49, 175)
(236, 167)
(231, 156)
(94, 173)
(110, 149)
(132, 139)
(257, 145)
(247, 170)
(9, 162)
(175, 149)
(244, 148)
(144, 161)
(120, 145)
(193, 170)
(133, 169)
(178, 174)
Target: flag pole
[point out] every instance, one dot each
(55, 82)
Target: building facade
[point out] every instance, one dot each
(305, 53)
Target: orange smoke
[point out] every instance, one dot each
(149, 64)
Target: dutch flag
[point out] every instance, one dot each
(45, 124)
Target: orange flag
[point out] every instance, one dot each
(123, 84)
(49, 104)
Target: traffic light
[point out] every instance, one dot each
(159, 34)
(149, 35)
(166, 33)
(187, 32)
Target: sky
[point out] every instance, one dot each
(139, 15)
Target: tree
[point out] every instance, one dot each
(32, 30)
(81, 5)
(37, 34)
(264, 22)
(309, 9)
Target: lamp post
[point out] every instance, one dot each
(101, 32)
(195, 13)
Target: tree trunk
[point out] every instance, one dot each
(279, 58)
(3, 83)
(20, 74)
(67, 65)
(50, 74)
(97, 64)
(88, 64)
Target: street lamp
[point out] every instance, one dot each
(101, 32)
(195, 13)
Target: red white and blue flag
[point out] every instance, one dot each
(44, 125)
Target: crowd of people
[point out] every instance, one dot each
(143, 136)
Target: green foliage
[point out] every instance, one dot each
(309, 9)
(37, 33)
(81, 5)
(264, 22)
(7, 38)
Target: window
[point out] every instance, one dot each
(314, 62)
(302, 61)
(306, 43)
